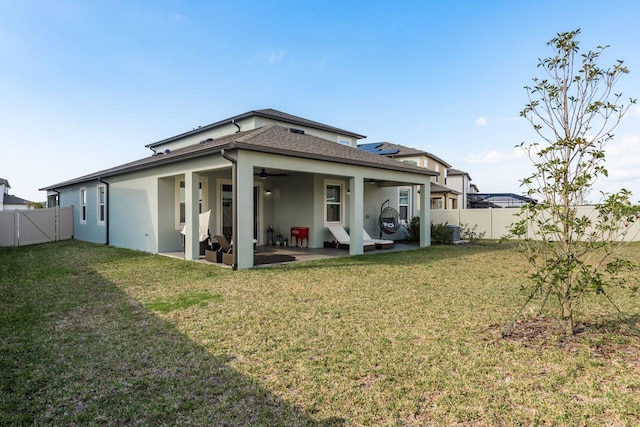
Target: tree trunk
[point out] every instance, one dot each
(567, 317)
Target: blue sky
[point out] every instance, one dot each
(84, 85)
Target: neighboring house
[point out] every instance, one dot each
(460, 181)
(9, 202)
(442, 195)
(255, 170)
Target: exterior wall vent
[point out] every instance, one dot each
(294, 130)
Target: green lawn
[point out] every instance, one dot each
(94, 334)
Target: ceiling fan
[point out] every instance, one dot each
(264, 174)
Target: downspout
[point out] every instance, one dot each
(233, 122)
(107, 216)
(234, 202)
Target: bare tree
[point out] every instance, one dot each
(574, 110)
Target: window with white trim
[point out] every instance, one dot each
(83, 206)
(333, 206)
(181, 206)
(102, 204)
(404, 206)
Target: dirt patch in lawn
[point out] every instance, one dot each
(596, 339)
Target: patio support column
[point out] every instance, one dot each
(425, 215)
(243, 230)
(356, 215)
(192, 204)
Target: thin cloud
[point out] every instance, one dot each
(270, 55)
(494, 156)
(482, 121)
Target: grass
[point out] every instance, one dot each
(94, 334)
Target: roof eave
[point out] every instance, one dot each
(248, 114)
(119, 171)
(313, 156)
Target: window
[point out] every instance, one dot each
(344, 141)
(102, 204)
(403, 204)
(436, 203)
(83, 206)
(181, 207)
(333, 203)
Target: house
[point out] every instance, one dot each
(256, 171)
(442, 196)
(460, 182)
(9, 202)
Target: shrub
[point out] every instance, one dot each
(470, 234)
(413, 229)
(441, 234)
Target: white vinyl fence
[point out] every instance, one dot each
(495, 222)
(30, 227)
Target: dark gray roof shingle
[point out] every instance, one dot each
(14, 200)
(268, 113)
(272, 139)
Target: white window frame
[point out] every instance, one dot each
(83, 205)
(102, 205)
(204, 201)
(334, 183)
(408, 204)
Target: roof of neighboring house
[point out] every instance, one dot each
(397, 150)
(5, 182)
(454, 172)
(269, 139)
(268, 113)
(14, 200)
(437, 188)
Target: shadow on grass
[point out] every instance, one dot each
(76, 349)
(622, 325)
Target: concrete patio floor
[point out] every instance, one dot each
(301, 254)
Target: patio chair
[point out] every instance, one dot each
(204, 234)
(258, 258)
(380, 243)
(225, 248)
(343, 241)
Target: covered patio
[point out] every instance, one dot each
(300, 254)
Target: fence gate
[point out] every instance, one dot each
(30, 227)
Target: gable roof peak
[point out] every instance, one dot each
(268, 113)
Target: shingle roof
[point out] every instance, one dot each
(271, 139)
(268, 113)
(14, 200)
(437, 188)
(452, 171)
(397, 150)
